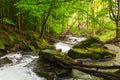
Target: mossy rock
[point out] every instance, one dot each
(100, 53)
(2, 52)
(52, 47)
(51, 55)
(47, 75)
(59, 50)
(4, 61)
(112, 47)
(40, 44)
(78, 53)
(45, 68)
(92, 53)
(25, 48)
(89, 42)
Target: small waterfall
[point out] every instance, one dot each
(65, 46)
(18, 69)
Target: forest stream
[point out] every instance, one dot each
(22, 66)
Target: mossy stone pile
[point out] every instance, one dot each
(91, 48)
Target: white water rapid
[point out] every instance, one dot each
(18, 70)
(67, 45)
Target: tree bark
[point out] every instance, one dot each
(118, 21)
(45, 20)
(93, 15)
(0, 9)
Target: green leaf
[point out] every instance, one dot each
(7, 21)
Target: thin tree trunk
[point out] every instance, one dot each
(45, 20)
(0, 9)
(19, 21)
(93, 15)
(118, 21)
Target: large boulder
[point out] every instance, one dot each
(92, 53)
(47, 63)
(51, 55)
(89, 42)
(100, 53)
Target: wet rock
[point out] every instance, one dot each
(60, 71)
(52, 47)
(4, 61)
(112, 47)
(2, 53)
(59, 50)
(100, 53)
(52, 54)
(77, 53)
(92, 53)
(81, 61)
(47, 75)
(25, 48)
(47, 62)
(117, 72)
(89, 42)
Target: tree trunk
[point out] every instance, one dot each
(93, 15)
(45, 20)
(0, 9)
(118, 21)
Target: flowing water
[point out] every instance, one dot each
(78, 75)
(20, 68)
(67, 45)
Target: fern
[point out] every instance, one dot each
(7, 21)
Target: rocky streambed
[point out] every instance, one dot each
(30, 67)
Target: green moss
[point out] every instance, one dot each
(25, 47)
(77, 53)
(47, 75)
(52, 47)
(88, 43)
(93, 53)
(42, 44)
(100, 53)
(51, 55)
(33, 49)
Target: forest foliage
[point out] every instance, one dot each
(78, 17)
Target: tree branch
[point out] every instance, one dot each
(113, 17)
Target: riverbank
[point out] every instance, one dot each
(28, 41)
